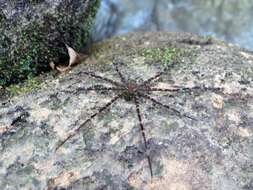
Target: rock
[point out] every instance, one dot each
(219, 18)
(203, 141)
(33, 33)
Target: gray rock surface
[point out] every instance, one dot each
(211, 151)
(228, 20)
(34, 32)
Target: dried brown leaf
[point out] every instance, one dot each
(74, 58)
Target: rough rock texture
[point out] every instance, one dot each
(33, 33)
(213, 151)
(218, 18)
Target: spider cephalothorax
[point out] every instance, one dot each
(130, 91)
(133, 91)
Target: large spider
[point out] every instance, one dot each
(131, 90)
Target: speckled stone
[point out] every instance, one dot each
(214, 151)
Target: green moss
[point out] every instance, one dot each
(165, 56)
(26, 87)
(33, 49)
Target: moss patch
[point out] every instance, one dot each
(26, 87)
(165, 56)
(32, 40)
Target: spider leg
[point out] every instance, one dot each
(122, 78)
(158, 75)
(95, 88)
(148, 81)
(91, 74)
(99, 88)
(88, 120)
(143, 133)
(182, 89)
(151, 89)
(196, 88)
(178, 113)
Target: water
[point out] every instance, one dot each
(229, 20)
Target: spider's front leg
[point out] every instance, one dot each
(75, 132)
(122, 78)
(176, 88)
(93, 88)
(137, 106)
(174, 110)
(102, 78)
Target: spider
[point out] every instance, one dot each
(133, 91)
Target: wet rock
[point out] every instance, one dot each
(33, 33)
(198, 126)
(217, 18)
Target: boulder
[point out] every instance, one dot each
(193, 97)
(34, 33)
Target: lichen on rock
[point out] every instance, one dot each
(33, 33)
(211, 151)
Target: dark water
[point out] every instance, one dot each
(229, 20)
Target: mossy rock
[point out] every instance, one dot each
(208, 146)
(34, 32)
